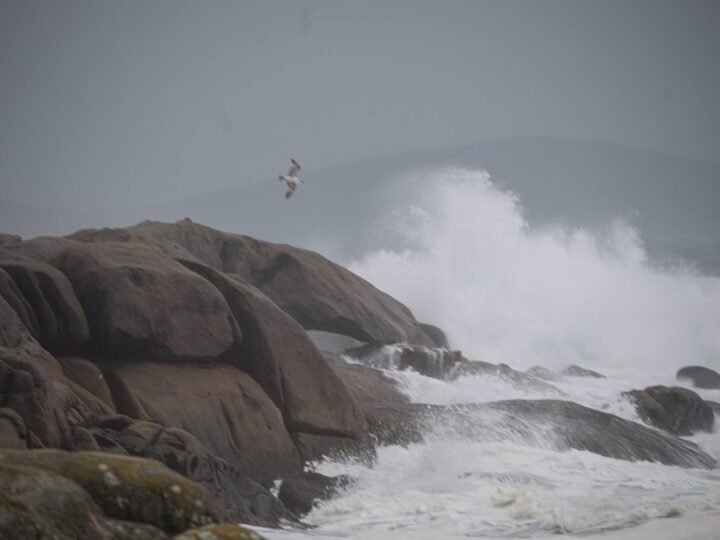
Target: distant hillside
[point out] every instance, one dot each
(674, 201)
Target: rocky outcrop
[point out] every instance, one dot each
(436, 335)
(676, 410)
(700, 376)
(71, 495)
(245, 500)
(577, 371)
(300, 492)
(45, 301)
(141, 302)
(219, 404)
(278, 354)
(316, 292)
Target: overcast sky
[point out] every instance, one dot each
(117, 102)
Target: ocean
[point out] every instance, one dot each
(507, 291)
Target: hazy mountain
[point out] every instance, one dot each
(672, 200)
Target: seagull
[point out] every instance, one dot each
(291, 178)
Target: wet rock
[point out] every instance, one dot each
(519, 380)
(582, 428)
(676, 410)
(126, 488)
(300, 492)
(543, 373)
(701, 377)
(314, 447)
(577, 371)
(431, 362)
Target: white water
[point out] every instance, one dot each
(506, 292)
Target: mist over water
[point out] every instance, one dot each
(506, 291)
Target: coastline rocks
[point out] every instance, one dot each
(576, 371)
(41, 504)
(219, 404)
(701, 377)
(278, 354)
(436, 335)
(318, 293)
(128, 291)
(676, 410)
(300, 492)
(582, 428)
(123, 488)
(245, 500)
(45, 301)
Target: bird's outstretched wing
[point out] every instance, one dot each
(294, 168)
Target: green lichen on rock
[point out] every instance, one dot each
(39, 504)
(222, 531)
(127, 488)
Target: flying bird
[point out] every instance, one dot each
(291, 178)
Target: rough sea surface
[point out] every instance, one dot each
(505, 291)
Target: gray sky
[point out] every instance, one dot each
(117, 103)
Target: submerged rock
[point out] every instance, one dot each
(700, 376)
(676, 410)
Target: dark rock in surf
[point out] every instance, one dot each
(543, 373)
(700, 376)
(436, 335)
(576, 371)
(676, 410)
(299, 493)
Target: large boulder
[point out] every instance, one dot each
(124, 488)
(44, 299)
(700, 376)
(217, 403)
(245, 500)
(318, 293)
(436, 335)
(278, 354)
(140, 302)
(676, 410)
(35, 503)
(575, 426)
